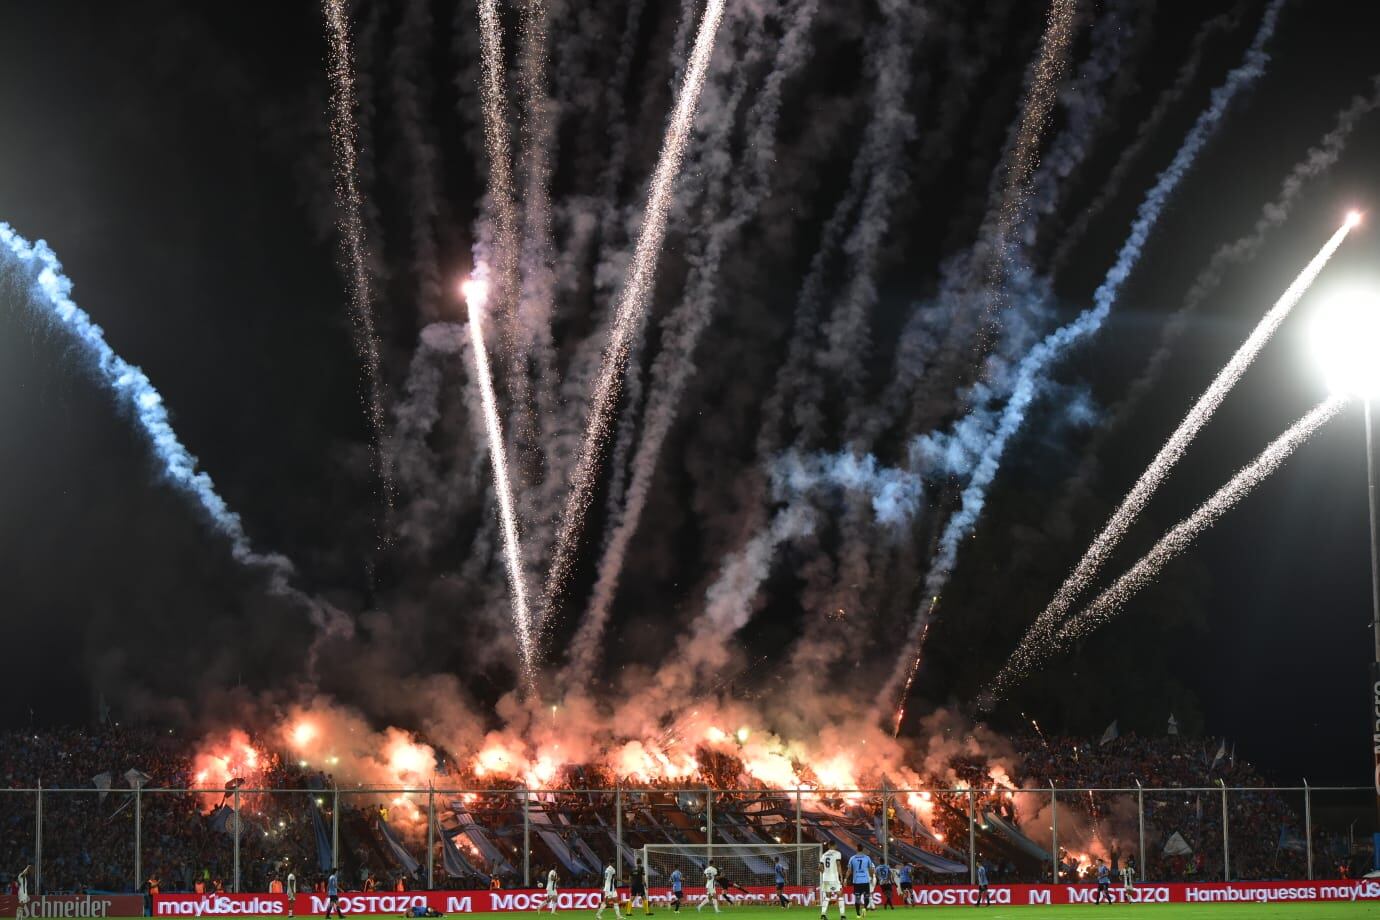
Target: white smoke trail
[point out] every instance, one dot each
(38, 273)
(1173, 450)
(1031, 373)
(500, 158)
(351, 225)
(674, 364)
(1176, 540)
(1149, 129)
(408, 57)
(1316, 162)
(628, 314)
(1045, 74)
(891, 128)
(476, 292)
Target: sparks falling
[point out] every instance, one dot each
(632, 302)
(1177, 539)
(344, 140)
(476, 292)
(1169, 455)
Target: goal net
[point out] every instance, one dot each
(740, 865)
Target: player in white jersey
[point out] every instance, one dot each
(711, 889)
(830, 886)
(550, 891)
(290, 891)
(610, 893)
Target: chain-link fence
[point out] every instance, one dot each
(243, 839)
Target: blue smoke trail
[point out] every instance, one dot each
(37, 269)
(1031, 375)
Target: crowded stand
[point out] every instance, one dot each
(98, 783)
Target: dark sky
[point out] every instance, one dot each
(176, 157)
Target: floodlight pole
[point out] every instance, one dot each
(1374, 503)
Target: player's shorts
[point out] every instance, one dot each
(862, 891)
(610, 895)
(829, 890)
(907, 886)
(1104, 883)
(780, 886)
(710, 889)
(639, 891)
(886, 888)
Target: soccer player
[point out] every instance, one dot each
(984, 894)
(884, 876)
(21, 887)
(639, 889)
(1104, 882)
(610, 893)
(1128, 873)
(830, 887)
(677, 890)
(779, 868)
(550, 890)
(333, 894)
(290, 891)
(907, 878)
(711, 889)
(862, 870)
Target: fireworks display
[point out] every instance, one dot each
(1181, 535)
(476, 293)
(765, 305)
(1173, 450)
(632, 301)
(351, 225)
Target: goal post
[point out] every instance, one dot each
(747, 865)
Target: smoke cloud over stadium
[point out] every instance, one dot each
(784, 326)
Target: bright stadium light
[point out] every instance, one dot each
(1345, 340)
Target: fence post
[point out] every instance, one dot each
(709, 822)
(1308, 825)
(335, 828)
(972, 837)
(1140, 817)
(799, 838)
(237, 840)
(138, 836)
(886, 825)
(38, 839)
(430, 838)
(618, 828)
(527, 838)
(1226, 837)
(1054, 828)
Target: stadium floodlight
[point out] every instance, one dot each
(1345, 340)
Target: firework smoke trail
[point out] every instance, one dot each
(1318, 160)
(1031, 374)
(495, 105)
(351, 224)
(1041, 93)
(628, 314)
(39, 272)
(1173, 450)
(1149, 128)
(674, 364)
(1176, 540)
(476, 292)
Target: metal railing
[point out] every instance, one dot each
(245, 835)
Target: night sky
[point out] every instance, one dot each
(177, 158)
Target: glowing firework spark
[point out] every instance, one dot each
(496, 139)
(627, 318)
(351, 225)
(1045, 75)
(476, 292)
(1135, 501)
(1179, 537)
